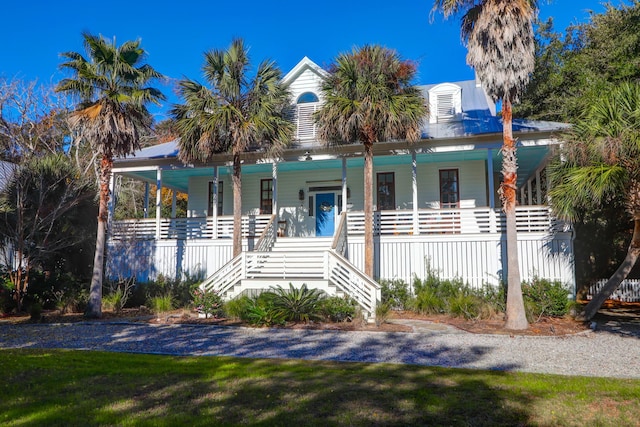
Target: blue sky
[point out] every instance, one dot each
(176, 34)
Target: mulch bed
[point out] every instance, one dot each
(546, 326)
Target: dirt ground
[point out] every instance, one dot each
(545, 326)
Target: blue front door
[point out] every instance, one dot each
(325, 214)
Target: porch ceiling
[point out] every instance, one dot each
(529, 160)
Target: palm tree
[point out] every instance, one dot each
(600, 162)
(368, 98)
(111, 88)
(501, 48)
(240, 111)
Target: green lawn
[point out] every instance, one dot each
(47, 387)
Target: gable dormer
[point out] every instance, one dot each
(445, 103)
(304, 81)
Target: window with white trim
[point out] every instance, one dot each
(306, 104)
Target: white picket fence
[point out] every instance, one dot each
(628, 291)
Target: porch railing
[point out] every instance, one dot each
(187, 228)
(529, 219)
(340, 244)
(268, 236)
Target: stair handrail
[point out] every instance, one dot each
(226, 277)
(267, 238)
(363, 289)
(339, 243)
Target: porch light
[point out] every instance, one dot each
(307, 156)
(301, 195)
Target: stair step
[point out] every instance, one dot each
(301, 244)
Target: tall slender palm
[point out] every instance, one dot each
(601, 161)
(501, 48)
(368, 98)
(111, 88)
(238, 112)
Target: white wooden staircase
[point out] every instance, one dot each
(317, 262)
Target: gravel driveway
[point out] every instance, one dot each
(605, 352)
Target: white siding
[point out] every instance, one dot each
(476, 260)
(307, 81)
(473, 183)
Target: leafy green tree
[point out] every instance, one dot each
(501, 48)
(110, 86)
(573, 69)
(39, 213)
(601, 163)
(239, 111)
(369, 98)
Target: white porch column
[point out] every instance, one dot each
(274, 195)
(344, 184)
(112, 202)
(173, 203)
(414, 189)
(146, 200)
(214, 201)
(492, 198)
(274, 175)
(530, 195)
(158, 201)
(538, 188)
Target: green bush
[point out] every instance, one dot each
(545, 298)
(396, 294)
(260, 312)
(237, 308)
(454, 297)
(296, 304)
(382, 313)
(427, 301)
(162, 303)
(339, 309)
(207, 302)
(7, 302)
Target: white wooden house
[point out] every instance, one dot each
(436, 205)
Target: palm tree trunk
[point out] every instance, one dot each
(237, 205)
(621, 273)
(368, 209)
(516, 317)
(94, 305)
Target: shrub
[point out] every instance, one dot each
(396, 294)
(382, 313)
(465, 305)
(545, 298)
(162, 303)
(7, 302)
(454, 297)
(296, 304)
(237, 308)
(427, 301)
(339, 309)
(260, 312)
(35, 310)
(207, 302)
